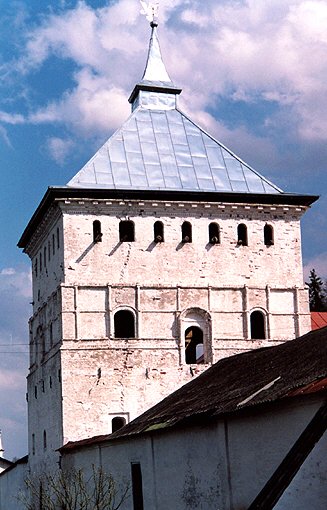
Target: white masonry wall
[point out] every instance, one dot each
(168, 286)
(219, 465)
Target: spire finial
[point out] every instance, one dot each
(150, 10)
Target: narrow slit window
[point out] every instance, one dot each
(158, 231)
(53, 244)
(257, 325)
(51, 334)
(35, 266)
(33, 444)
(44, 440)
(137, 486)
(126, 231)
(40, 261)
(117, 423)
(58, 238)
(186, 232)
(242, 235)
(194, 349)
(97, 234)
(268, 233)
(49, 251)
(124, 324)
(214, 234)
(45, 256)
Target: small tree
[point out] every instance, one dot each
(69, 490)
(317, 297)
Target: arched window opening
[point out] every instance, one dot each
(214, 234)
(158, 231)
(194, 352)
(268, 233)
(257, 324)
(126, 231)
(117, 423)
(97, 234)
(242, 235)
(124, 323)
(186, 232)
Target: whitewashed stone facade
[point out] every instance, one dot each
(91, 280)
(81, 376)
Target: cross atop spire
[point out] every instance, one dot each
(150, 10)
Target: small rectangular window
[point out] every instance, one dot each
(137, 489)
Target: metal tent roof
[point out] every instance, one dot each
(160, 148)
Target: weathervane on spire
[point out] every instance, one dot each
(150, 10)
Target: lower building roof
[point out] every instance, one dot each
(253, 378)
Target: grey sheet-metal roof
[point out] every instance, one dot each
(160, 148)
(165, 150)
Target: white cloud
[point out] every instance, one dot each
(91, 107)
(249, 51)
(59, 148)
(16, 281)
(11, 118)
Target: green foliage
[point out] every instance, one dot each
(317, 295)
(70, 490)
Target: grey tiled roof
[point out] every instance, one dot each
(165, 150)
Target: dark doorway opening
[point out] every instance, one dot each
(257, 322)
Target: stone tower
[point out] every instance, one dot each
(163, 254)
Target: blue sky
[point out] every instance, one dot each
(253, 73)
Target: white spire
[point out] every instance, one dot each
(155, 90)
(155, 70)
